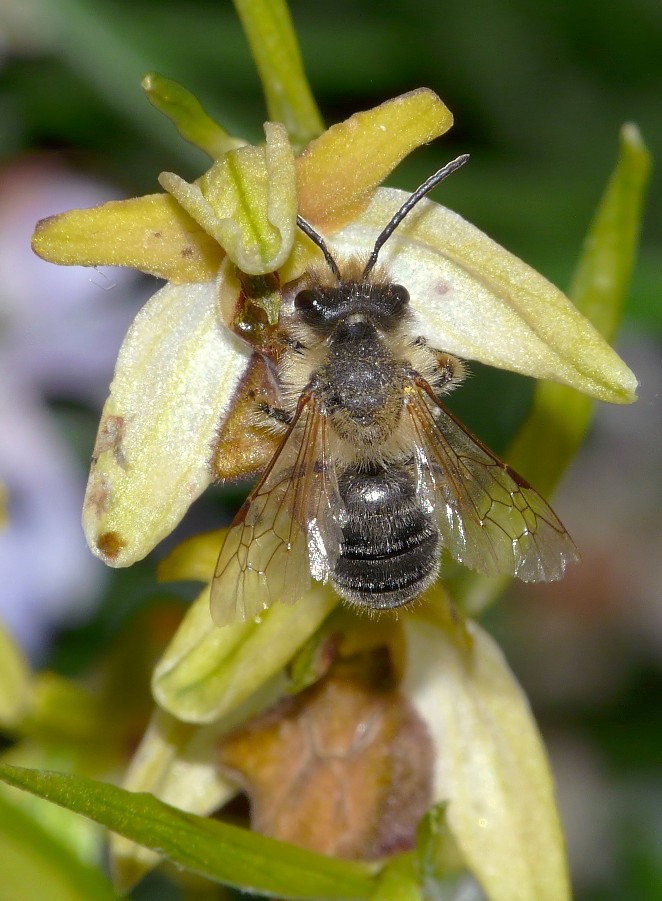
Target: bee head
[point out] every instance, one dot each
(323, 308)
(384, 303)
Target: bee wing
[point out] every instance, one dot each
(288, 528)
(490, 518)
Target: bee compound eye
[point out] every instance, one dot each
(399, 296)
(305, 300)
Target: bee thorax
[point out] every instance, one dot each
(361, 389)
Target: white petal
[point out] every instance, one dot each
(176, 374)
(491, 765)
(477, 301)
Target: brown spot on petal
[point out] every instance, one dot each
(110, 544)
(110, 438)
(187, 252)
(345, 768)
(144, 233)
(98, 497)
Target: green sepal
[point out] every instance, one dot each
(185, 111)
(559, 417)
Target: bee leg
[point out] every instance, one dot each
(293, 344)
(277, 414)
(450, 372)
(443, 373)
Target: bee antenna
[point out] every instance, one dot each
(316, 238)
(408, 205)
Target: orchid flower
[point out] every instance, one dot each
(175, 421)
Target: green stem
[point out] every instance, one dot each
(274, 46)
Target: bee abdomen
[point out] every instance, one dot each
(390, 552)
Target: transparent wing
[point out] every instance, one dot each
(288, 528)
(489, 517)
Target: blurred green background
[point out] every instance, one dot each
(539, 91)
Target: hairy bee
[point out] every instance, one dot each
(374, 476)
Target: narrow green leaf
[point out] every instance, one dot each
(185, 111)
(34, 865)
(80, 836)
(274, 46)
(221, 852)
(559, 417)
(175, 762)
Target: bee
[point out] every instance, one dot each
(374, 476)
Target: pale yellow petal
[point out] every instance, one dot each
(176, 375)
(477, 301)
(491, 768)
(152, 233)
(338, 172)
